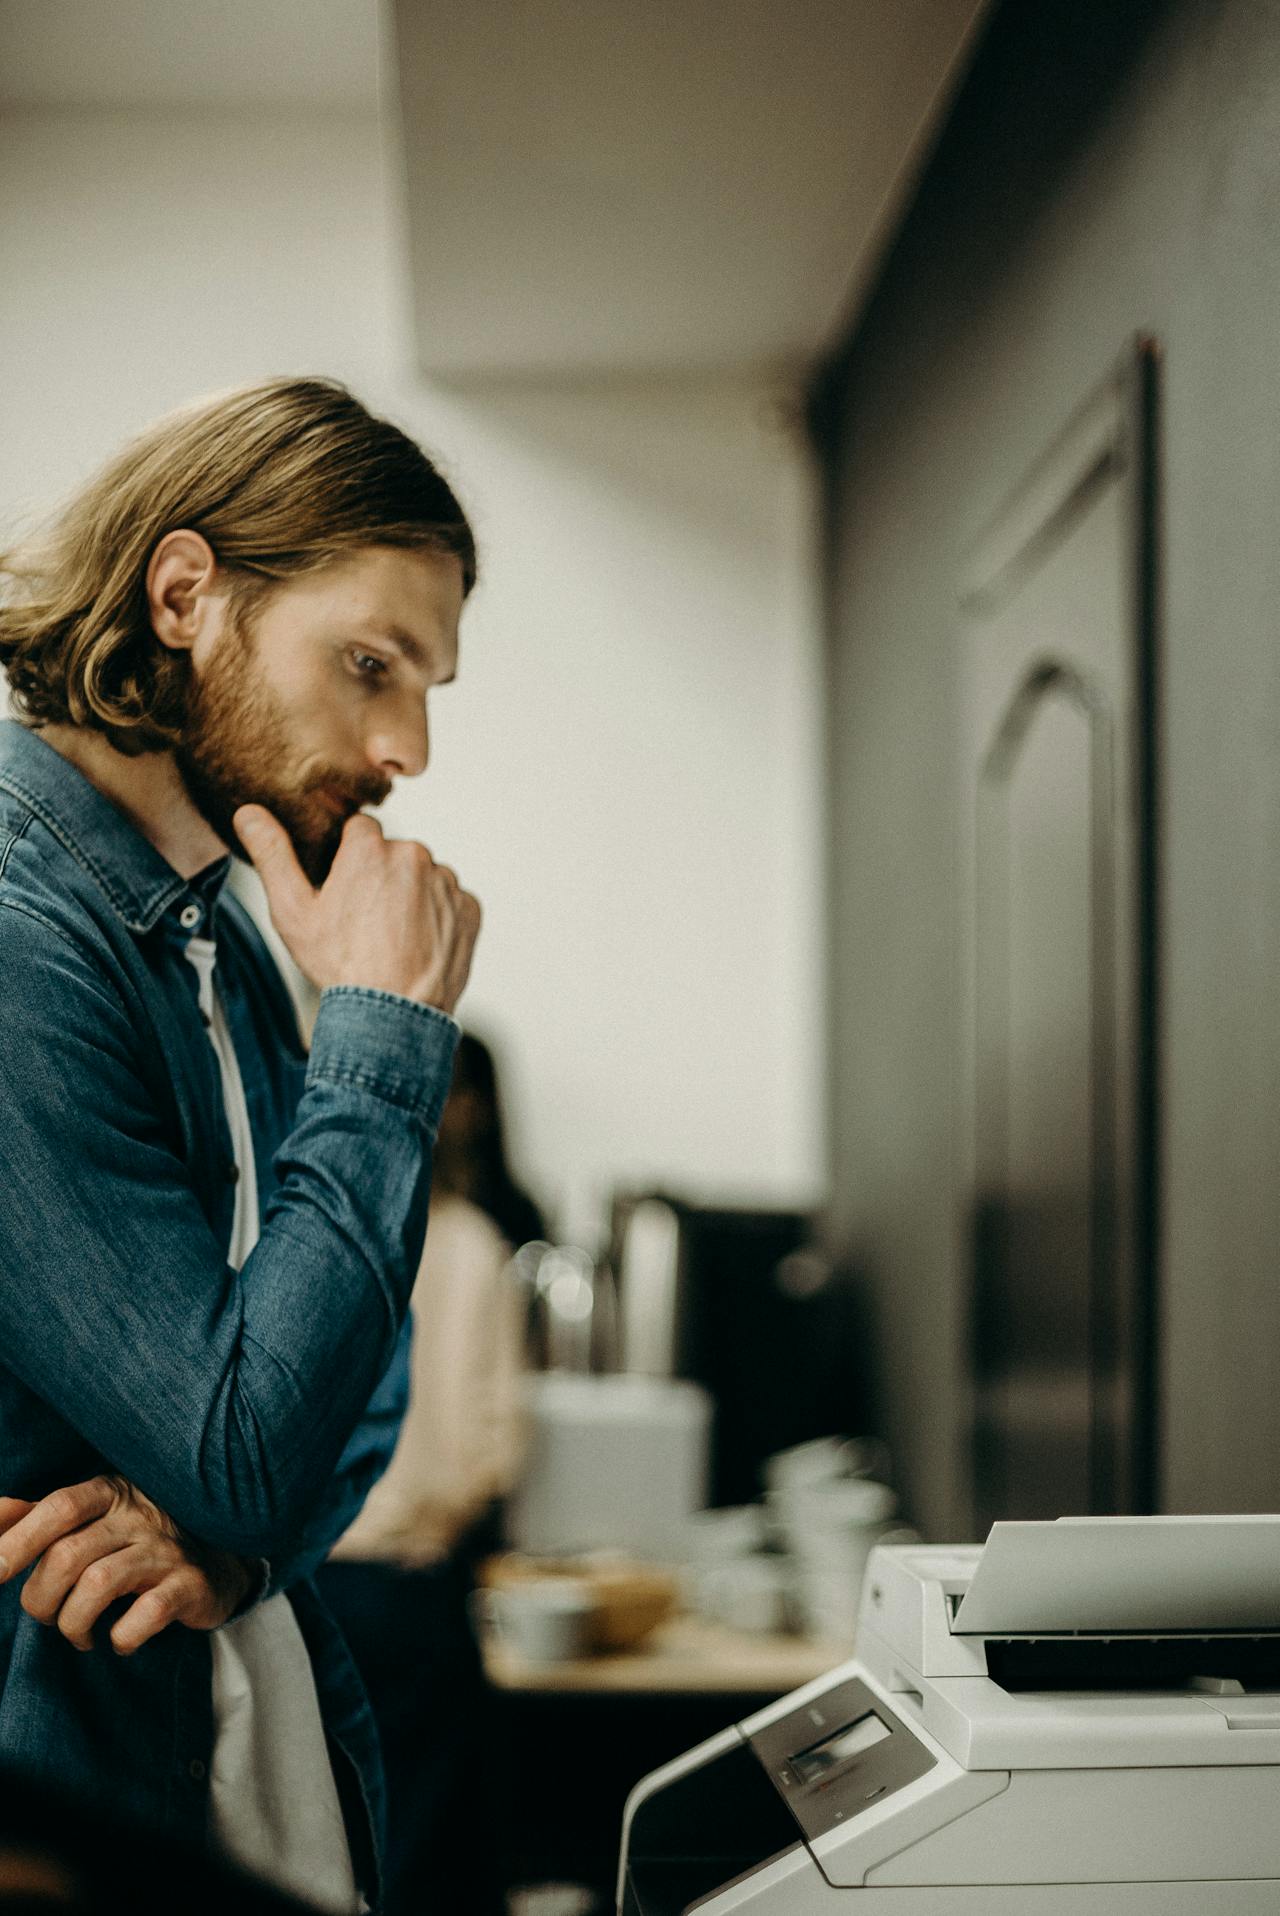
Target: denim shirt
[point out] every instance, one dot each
(256, 1407)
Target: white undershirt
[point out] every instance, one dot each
(273, 1803)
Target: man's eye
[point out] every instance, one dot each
(368, 665)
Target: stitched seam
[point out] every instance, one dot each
(374, 996)
(52, 823)
(394, 1090)
(38, 917)
(11, 841)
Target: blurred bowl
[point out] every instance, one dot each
(629, 1603)
(627, 1599)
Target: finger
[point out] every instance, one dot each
(274, 859)
(358, 835)
(172, 1600)
(361, 841)
(11, 1508)
(363, 825)
(104, 1582)
(64, 1562)
(138, 1568)
(53, 1517)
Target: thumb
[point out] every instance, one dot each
(269, 847)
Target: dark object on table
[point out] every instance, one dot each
(770, 1328)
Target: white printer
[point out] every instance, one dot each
(1081, 1716)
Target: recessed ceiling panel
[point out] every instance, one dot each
(621, 188)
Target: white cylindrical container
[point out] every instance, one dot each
(614, 1462)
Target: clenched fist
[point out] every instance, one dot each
(387, 917)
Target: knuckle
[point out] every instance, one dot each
(63, 1507)
(36, 1605)
(98, 1577)
(62, 1557)
(161, 1604)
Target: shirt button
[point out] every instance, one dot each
(189, 917)
(195, 1770)
(233, 1173)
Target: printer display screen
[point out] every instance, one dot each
(836, 1749)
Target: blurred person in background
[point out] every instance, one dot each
(208, 1242)
(471, 1150)
(400, 1582)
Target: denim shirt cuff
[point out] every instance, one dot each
(391, 1046)
(261, 1586)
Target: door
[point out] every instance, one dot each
(1059, 680)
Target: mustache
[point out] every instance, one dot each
(356, 793)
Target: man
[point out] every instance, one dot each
(207, 1239)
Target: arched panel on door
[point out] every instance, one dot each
(1059, 676)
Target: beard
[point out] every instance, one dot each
(235, 750)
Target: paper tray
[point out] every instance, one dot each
(1115, 1574)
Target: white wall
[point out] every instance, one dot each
(628, 769)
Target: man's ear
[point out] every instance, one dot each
(180, 583)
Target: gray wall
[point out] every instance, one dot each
(1108, 169)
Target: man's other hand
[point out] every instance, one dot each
(97, 1542)
(387, 917)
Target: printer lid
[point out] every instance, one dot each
(1109, 1575)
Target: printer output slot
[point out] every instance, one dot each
(1133, 1663)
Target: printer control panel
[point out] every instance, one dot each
(838, 1755)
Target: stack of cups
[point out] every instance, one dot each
(830, 1521)
(733, 1576)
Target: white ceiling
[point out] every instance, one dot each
(624, 186)
(165, 53)
(593, 187)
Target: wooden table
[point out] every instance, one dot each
(572, 1739)
(688, 1656)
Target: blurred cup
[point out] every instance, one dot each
(830, 1573)
(830, 1527)
(546, 1620)
(720, 1536)
(752, 1594)
(808, 1511)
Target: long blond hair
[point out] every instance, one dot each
(279, 477)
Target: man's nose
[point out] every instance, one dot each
(401, 748)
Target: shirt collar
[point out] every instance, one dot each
(140, 885)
